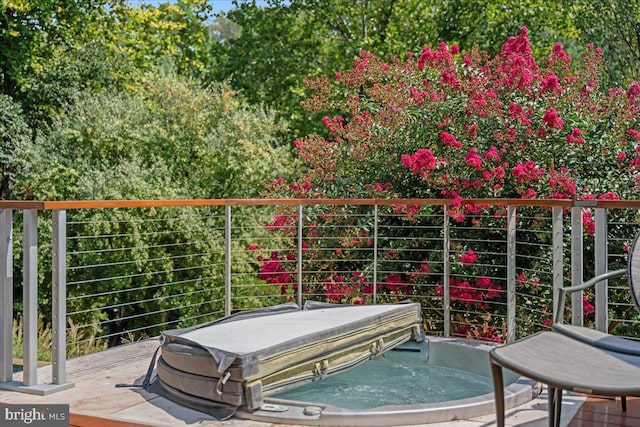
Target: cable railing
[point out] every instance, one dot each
(103, 273)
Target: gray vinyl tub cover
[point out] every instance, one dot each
(239, 359)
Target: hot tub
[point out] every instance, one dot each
(436, 380)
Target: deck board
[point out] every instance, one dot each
(95, 401)
(603, 411)
(79, 420)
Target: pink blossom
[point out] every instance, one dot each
(273, 273)
(575, 138)
(588, 223)
(559, 55)
(473, 130)
(633, 91)
(551, 83)
(435, 58)
(527, 172)
(421, 162)
(517, 112)
(492, 154)
(468, 257)
(473, 159)
(498, 172)
(335, 125)
(587, 307)
(450, 140)
(282, 222)
(552, 120)
(562, 184)
(633, 134)
(395, 283)
(609, 195)
(517, 67)
(449, 78)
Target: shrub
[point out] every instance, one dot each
(463, 125)
(173, 140)
(15, 143)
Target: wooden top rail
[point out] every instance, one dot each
(113, 204)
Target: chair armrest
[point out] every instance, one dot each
(559, 311)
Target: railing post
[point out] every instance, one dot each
(30, 292)
(446, 272)
(558, 256)
(227, 260)
(59, 291)
(576, 265)
(58, 309)
(601, 267)
(6, 295)
(511, 273)
(299, 255)
(375, 254)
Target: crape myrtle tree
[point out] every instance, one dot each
(447, 123)
(283, 42)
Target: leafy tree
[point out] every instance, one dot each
(53, 48)
(170, 139)
(15, 140)
(50, 51)
(208, 140)
(615, 27)
(173, 31)
(35, 32)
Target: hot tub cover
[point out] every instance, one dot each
(239, 359)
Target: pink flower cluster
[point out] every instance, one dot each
(421, 162)
(449, 140)
(274, 273)
(477, 295)
(575, 137)
(552, 120)
(527, 173)
(468, 257)
(340, 290)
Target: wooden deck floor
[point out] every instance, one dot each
(78, 420)
(95, 401)
(607, 412)
(594, 412)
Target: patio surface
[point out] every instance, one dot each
(95, 401)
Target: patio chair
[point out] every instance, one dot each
(575, 358)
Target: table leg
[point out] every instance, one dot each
(498, 390)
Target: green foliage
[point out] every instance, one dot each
(171, 139)
(183, 140)
(173, 31)
(15, 142)
(49, 50)
(79, 342)
(613, 26)
(33, 33)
